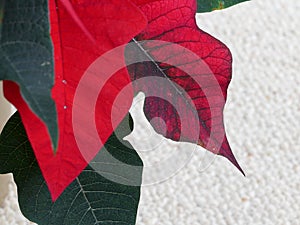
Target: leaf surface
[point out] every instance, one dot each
(1, 14)
(90, 199)
(201, 92)
(210, 5)
(111, 23)
(26, 56)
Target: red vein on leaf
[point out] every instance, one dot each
(76, 18)
(177, 24)
(58, 64)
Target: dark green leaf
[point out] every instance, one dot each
(91, 198)
(26, 56)
(1, 13)
(210, 5)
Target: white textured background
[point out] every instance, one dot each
(262, 120)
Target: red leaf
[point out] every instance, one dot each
(81, 31)
(174, 21)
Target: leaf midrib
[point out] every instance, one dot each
(172, 84)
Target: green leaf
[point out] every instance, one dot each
(210, 5)
(91, 198)
(1, 13)
(26, 56)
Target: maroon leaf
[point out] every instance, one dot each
(201, 93)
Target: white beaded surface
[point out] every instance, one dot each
(262, 120)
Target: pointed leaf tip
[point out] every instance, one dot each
(73, 55)
(76, 203)
(26, 58)
(229, 155)
(200, 79)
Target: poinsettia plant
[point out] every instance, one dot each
(72, 68)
